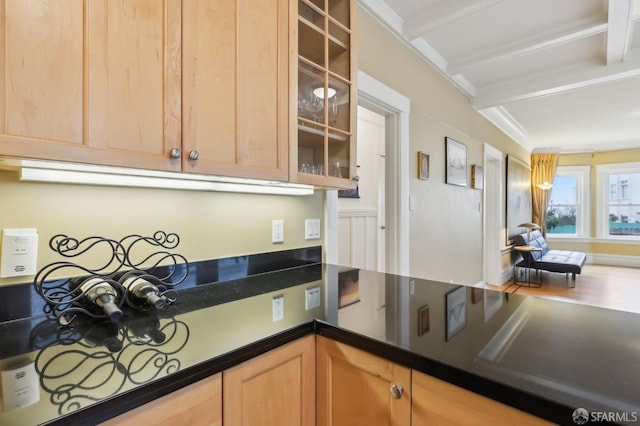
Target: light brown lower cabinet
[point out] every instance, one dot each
(351, 387)
(277, 388)
(357, 388)
(436, 402)
(198, 404)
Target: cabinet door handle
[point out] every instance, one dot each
(193, 155)
(175, 153)
(396, 391)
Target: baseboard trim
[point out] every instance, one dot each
(613, 260)
(506, 275)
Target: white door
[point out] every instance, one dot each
(361, 221)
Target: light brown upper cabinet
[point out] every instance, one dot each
(260, 89)
(235, 87)
(93, 81)
(193, 86)
(322, 147)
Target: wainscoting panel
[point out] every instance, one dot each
(358, 245)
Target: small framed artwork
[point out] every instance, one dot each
(348, 288)
(423, 165)
(456, 309)
(477, 177)
(456, 167)
(349, 193)
(423, 320)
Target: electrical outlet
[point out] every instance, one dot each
(277, 305)
(311, 298)
(277, 231)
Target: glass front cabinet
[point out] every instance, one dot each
(325, 103)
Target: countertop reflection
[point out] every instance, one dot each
(573, 355)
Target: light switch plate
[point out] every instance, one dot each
(312, 298)
(312, 229)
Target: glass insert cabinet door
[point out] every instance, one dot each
(325, 149)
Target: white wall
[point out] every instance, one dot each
(446, 223)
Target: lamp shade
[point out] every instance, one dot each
(545, 186)
(529, 225)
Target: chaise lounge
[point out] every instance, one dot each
(562, 261)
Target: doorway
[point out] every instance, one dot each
(395, 107)
(361, 218)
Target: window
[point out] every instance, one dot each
(619, 207)
(568, 209)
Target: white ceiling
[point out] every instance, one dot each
(555, 75)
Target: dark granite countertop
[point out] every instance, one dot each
(542, 356)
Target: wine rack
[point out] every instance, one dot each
(98, 261)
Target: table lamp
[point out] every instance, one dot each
(529, 227)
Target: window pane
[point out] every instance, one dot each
(624, 204)
(624, 219)
(561, 212)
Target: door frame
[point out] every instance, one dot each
(492, 216)
(395, 107)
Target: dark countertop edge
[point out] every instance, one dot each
(521, 400)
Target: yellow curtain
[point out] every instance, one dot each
(543, 170)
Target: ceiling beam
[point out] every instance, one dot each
(535, 44)
(562, 81)
(444, 13)
(620, 30)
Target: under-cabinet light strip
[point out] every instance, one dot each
(104, 176)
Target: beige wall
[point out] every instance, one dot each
(210, 224)
(446, 224)
(594, 159)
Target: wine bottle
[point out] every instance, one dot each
(101, 293)
(145, 327)
(143, 290)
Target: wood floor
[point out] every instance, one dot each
(604, 286)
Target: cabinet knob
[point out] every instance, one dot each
(175, 153)
(193, 155)
(396, 391)
(356, 178)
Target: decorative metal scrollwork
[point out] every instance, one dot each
(93, 360)
(97, 270)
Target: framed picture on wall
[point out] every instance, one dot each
(423, 165)
(518, 196)
(456, 162)
(423, 320)
(456, 311)
(348, 287)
